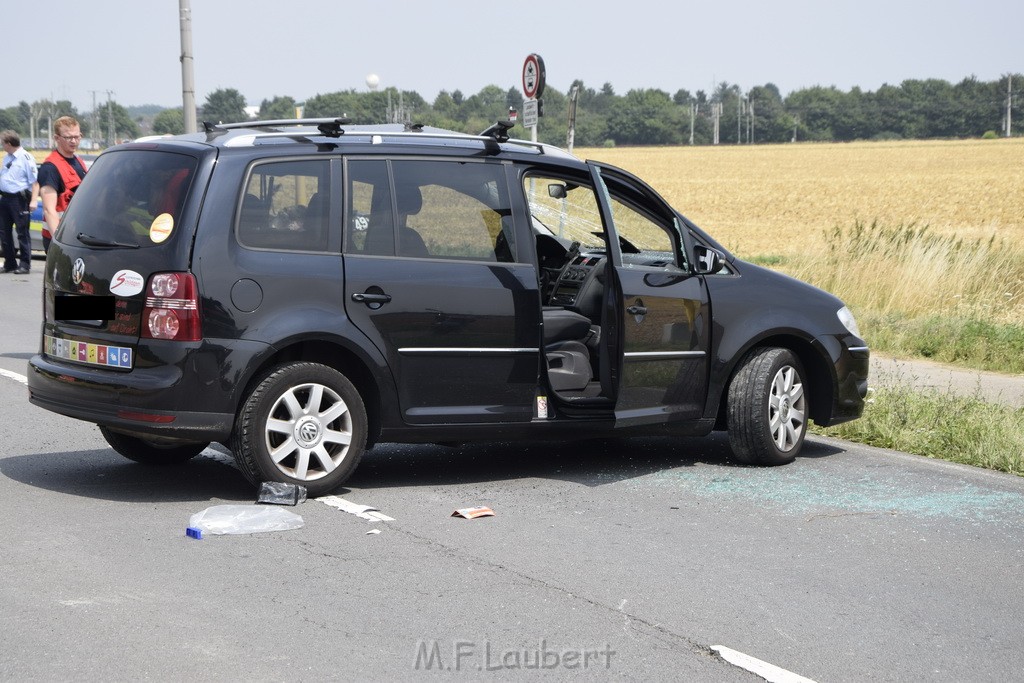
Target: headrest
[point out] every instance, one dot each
(409, 199)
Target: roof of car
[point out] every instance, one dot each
(339, 134)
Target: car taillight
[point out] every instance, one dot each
(172, 308)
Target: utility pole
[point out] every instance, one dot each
(396, 114)
(188, 86)
(1009, 103)
(750, 121)
(693, 115)
(110, 120)
(574, 96)
(94, 128)
(739, 117)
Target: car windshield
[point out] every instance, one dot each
(129, 199)
(566, 211)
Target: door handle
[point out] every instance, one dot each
(637, 310)
(371, 298)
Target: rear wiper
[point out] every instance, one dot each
(97, 242)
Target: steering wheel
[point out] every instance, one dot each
(570, 256)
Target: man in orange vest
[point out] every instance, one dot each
(60, 174)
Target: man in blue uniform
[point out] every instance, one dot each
(17, 176)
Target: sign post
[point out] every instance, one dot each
(533, 87)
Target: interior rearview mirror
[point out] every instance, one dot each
(557, 191)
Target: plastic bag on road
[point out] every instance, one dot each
(244, 519)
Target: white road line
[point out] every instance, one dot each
(768, 672)
(364, 511)
(15, 376)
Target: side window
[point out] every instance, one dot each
(648, 233)
(644, 241)
(429, 209)
(453, 210)
(370, 228)
(284, 206)
(565, 209)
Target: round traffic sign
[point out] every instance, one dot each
(533, 77)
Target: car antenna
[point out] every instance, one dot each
(213, 130)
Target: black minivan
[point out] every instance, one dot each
(301, 290)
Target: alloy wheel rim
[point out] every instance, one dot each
(787, 409)
(308, 432)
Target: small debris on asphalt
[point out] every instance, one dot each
(474, 512)
(279, 493)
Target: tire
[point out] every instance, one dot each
(151, 452)
(303, 423)
(767, 408)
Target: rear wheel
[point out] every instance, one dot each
(304, 423)
(767, 408)
(151, 452)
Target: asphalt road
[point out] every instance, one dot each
(620, 560)
(992, 387)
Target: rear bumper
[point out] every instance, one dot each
(177, 425)
(148, 401)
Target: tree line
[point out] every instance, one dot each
(914, 109)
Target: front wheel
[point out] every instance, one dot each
(151, 452)
(767, 408)
(305, 424)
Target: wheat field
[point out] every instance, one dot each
(780, 200)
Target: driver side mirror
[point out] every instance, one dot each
(708, 261)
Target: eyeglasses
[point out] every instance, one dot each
(71, 138)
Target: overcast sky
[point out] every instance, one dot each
(83, 48)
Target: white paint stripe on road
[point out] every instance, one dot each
(364, 511)
(15, 376)
(768, 672)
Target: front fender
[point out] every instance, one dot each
(757, 307)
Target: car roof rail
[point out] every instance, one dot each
(333, 128)
(323, 124)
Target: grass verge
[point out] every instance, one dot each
(966, 342)
(938, 425)
(919, 294)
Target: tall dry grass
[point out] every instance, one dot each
(782, 200)
(923, 240)
(912, 271)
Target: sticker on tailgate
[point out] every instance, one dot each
(91, 354)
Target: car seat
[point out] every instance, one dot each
(565, 348)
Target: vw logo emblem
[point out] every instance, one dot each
(78, 271)
(308, 431)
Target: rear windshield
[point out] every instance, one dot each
(129, 199)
